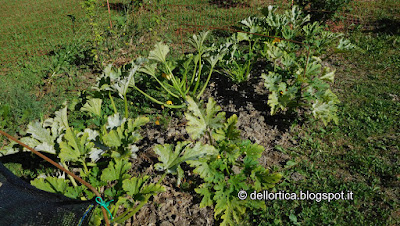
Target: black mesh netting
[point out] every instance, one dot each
(23, 204)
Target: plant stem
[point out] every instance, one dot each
(157, 101)
(128, 214)
(85, 167)
(126, 106)
(205, 85)
(166, 89)
(112, 102)
(194, 73)
(175, 83)
(69, 176)
(198, 77)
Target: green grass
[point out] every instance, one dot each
(44, 55)
(174, 21)
(361, 154)
(36, 27)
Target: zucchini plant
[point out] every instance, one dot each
(100, 155)
(226, 163)
(187, 76)
(292, 49)
(182, 78)
(238, 63)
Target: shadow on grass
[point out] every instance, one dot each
(30, 165)
(389, 26)
(229, 3)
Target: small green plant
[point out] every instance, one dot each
(97, 38)
(66, 56)
(5, 115)
(227, 164)
(237, 63)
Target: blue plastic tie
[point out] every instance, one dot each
(101, 202)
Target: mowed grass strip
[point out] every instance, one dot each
(31, 27)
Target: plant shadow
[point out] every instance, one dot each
(390, 26)
(226, 4)
(250, 98)
(31, 165)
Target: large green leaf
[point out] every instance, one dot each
(136, 188)
(93, 106)
(326, 111)
(313, 67)
(149, 69)
(263, 179)
(204, 190)
(271, 80)
(116, 170)
(169, 159)
(133, 186)
(273, 102)
(229, 131)
(75, 148)
(61, 118)
(159, 53)
(199, 119)
(196, 121)
(202, 168)
(199, 150)
(45, 140)
(214, 119)
(112, 139)
(51, 184)
(229, 208)
(198, 41)
(328, 75)
(112, 72)
(137, 123)
(114, 121)
(40, 133)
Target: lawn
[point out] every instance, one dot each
(179, 160)
(30, 28)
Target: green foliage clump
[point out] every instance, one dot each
(100, 154)
(237, 61)
(226, 163)
(189, 75)
(295, 76)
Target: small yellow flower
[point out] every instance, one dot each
(169, 102)
(157, 122)
(282, 92)
(219, 156)
(276, 40)
(123, 33)
(166, 76)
